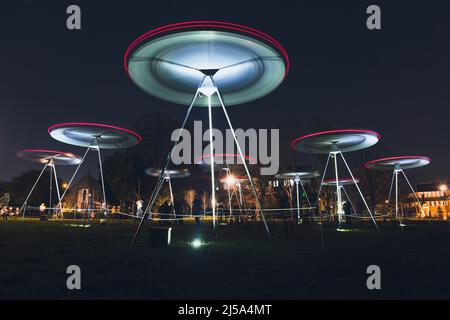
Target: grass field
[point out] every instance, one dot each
(241, 264)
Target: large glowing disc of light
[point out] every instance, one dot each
(402, 162)
(341, 182)
(303, 175)
(170, 62)
(173, 173)
(84, 134)
(46, 156)
(336, 140)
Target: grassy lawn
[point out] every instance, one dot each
(242, 263)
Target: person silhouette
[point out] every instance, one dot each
(348, 213)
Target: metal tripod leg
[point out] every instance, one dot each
(339, 209)
(306, 194)
(211, 144)
(161, 176)
(298, 201)
(57, 191)
(75, 173)
(50, 204)
(359, 190)
(323, 178)
(172, 198)
(348, 198)
(31, 191)
(412, 189)
(104, 204)
(390, 189)
(396, 195)
(245, 165)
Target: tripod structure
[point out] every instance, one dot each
(49, 158)
(335, 143)
(397, 165)
(340, 191)
(205, 64)
(94, 137)
(299, 177)
(168, 175)
(231, 182)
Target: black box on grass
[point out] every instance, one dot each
(159, 236)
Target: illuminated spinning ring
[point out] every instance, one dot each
(302, 175)
(50, 159)
(95, 137)
(172, 61)
(168, 173)
(336, 140)
(335, 143)
(49, 156)
(206, 64)
(93, 134)
(396, 165)
(168, 176)
(402, 162)
(299, 177)
(341, 182)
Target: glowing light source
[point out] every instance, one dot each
(73, 225)
(197, 243)
(230, 180)
(344, 230)
(443, 187)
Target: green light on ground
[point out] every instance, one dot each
(197, 243)
(344, 230)
(73, 225)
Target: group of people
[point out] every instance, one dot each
(7, 212)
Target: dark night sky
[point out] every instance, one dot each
(394, 81)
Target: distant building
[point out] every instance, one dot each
(435, 199)
(86, 192)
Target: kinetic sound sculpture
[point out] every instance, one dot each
(50, 159)
(168, 175)
(341, 183)
(397, 165)
(93, 136)
(335, 143)
(297, 177)
(206, 64)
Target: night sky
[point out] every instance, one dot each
(394, 81)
